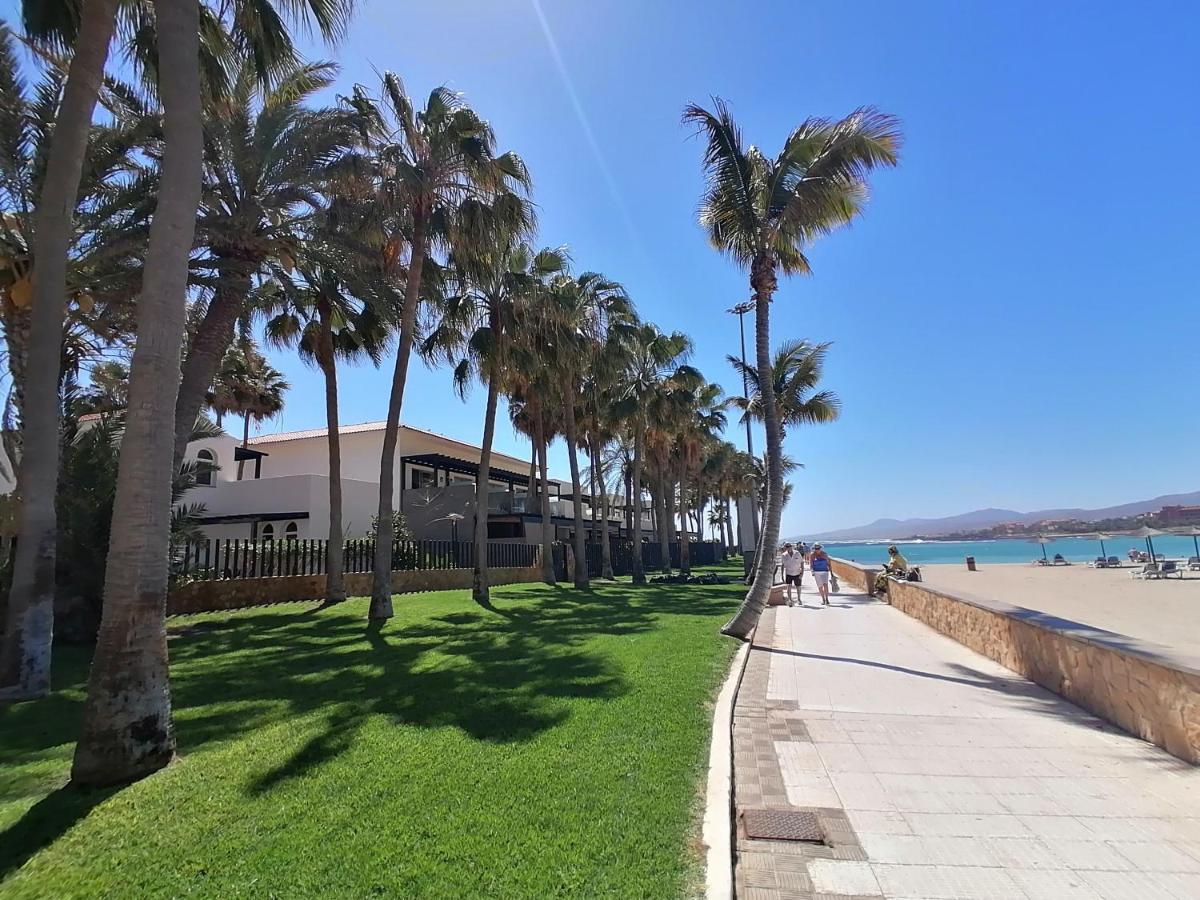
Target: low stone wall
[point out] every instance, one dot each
(859, 576)
(233, 593)
(1143, 689)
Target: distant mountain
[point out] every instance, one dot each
(895, 529)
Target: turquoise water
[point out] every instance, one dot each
(1014, 551)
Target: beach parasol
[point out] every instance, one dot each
(1148, 533)
(1101, 537)
(1043, 540)
(1194, 532)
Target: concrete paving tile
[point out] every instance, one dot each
(961, 825)
(1053, 884)
(1155, 856)
(1095, 855)
(833, 876)
(949, 882)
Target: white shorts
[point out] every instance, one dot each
(821, 578)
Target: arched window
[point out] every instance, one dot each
(291, 532)
(268, 532)
(207, 461)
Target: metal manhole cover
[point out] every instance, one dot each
(782, 825)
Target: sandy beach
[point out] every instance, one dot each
(1165, 612)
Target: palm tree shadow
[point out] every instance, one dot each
(45, 822)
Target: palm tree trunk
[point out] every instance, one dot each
(639, 574)
(335, 558)
(204, 355)
(672, 531)
(245, 443)
(539, 443)
(762, 280)
(531, 493)
(606, 569)
(127, 731)
(479, 584)
(581, 563)
(664, 530)
(685, 562)
(381, 583)
(629, 499)
(29, 630)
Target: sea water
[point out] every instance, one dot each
(1010, 551)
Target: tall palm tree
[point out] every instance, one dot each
(763, 212)
(796, 371)
(583, 309)
(702, 416)
(127, 729)
(494, 270)
(266, 158)
(317, 312)
(429, 162)
(86, 28)
(655, 367)
(248, 386)
(27, 660)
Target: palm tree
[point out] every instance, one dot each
(86, 29)
(702, 405)
(266, 158)
(428, 162)
(655, 365)
(763, 212)
(26, 656)
(583, 309)
(127, 728)
(494, 270)
(318, 314)
(795, 373)
(248, 386)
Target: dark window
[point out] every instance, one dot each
(422, 479)
(291, 532)
(205, 461)
(268, 532)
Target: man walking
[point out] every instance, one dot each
(793, 572)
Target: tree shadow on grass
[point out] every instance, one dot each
(45, 822)
(497, 678)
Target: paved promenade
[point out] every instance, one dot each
(936, 773)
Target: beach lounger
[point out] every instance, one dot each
(1114, 562)
(1169, 567)
(1100, 563)
(1148, 570)
(1193, 563)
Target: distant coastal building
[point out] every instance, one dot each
(1174, 516)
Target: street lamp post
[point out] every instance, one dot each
(740, 311)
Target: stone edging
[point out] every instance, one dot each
(718, 806)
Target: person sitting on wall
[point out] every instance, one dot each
(896, 565)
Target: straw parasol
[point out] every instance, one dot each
(1193, 532)
(1101, 537)
(1148, 533)
(1043, 540)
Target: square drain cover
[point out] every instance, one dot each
(782, 825)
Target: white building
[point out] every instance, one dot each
(278, 487)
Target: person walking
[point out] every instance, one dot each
(792, 561)
(819, 563)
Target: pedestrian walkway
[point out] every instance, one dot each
(933, 772)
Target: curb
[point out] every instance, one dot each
(718, 799)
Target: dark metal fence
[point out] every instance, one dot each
(700, 553)
(229, 558)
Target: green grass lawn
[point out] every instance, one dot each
(557, 749)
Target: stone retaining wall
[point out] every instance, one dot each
(1142, 689)
(859, 576)
(207, 596)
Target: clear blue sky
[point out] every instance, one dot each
(1015, 318)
